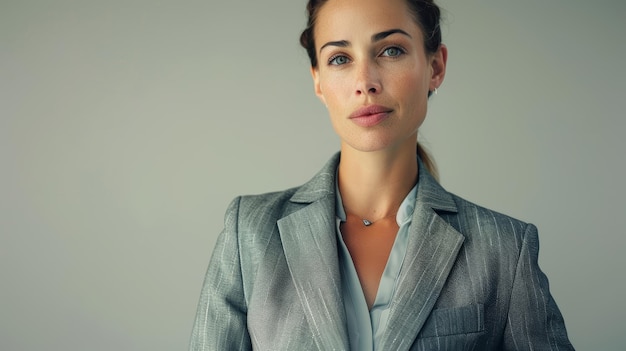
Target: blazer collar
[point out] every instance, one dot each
(430, 193)
(310, 246)
(322, 184)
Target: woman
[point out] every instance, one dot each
(372, 253)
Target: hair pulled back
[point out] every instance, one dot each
(426, 14)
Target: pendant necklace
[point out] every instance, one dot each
(368, 223)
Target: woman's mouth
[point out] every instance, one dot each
(371, 115)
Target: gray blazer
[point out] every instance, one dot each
(469, 281)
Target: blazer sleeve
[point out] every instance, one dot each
(534, 320)
(220, 322)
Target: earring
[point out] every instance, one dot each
(435, 91)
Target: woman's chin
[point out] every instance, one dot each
(373, 145)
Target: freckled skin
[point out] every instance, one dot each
(394, 72)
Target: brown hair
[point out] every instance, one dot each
(427, 16)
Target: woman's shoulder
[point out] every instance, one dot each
(482, 212)
(267, 203)
(277, 204)
(261, 211)
(476, 221)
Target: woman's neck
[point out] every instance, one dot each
(373, 184)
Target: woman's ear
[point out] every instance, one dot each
(438, 62)
(315, 74)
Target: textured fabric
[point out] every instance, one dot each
(470, 279)
(367, 326)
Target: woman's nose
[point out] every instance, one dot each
(368, 80)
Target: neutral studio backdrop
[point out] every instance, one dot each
(126, 127)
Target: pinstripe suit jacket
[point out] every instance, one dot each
(469, 281)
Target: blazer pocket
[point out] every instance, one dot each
(451, 321)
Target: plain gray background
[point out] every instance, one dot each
(126, 127)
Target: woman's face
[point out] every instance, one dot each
(373, 73)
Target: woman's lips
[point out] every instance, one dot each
(370, 115)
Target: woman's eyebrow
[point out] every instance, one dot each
(376, 37)
(339, 43)
(382, 35)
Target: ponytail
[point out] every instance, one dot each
(428, 161)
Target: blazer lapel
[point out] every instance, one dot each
(432, 250)
(310, 246)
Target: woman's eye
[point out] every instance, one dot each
(338, 60)
(393, 52)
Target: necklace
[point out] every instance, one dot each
(367, 222)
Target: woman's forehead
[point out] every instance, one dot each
(344, 19)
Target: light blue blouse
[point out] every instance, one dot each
(365, 327)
